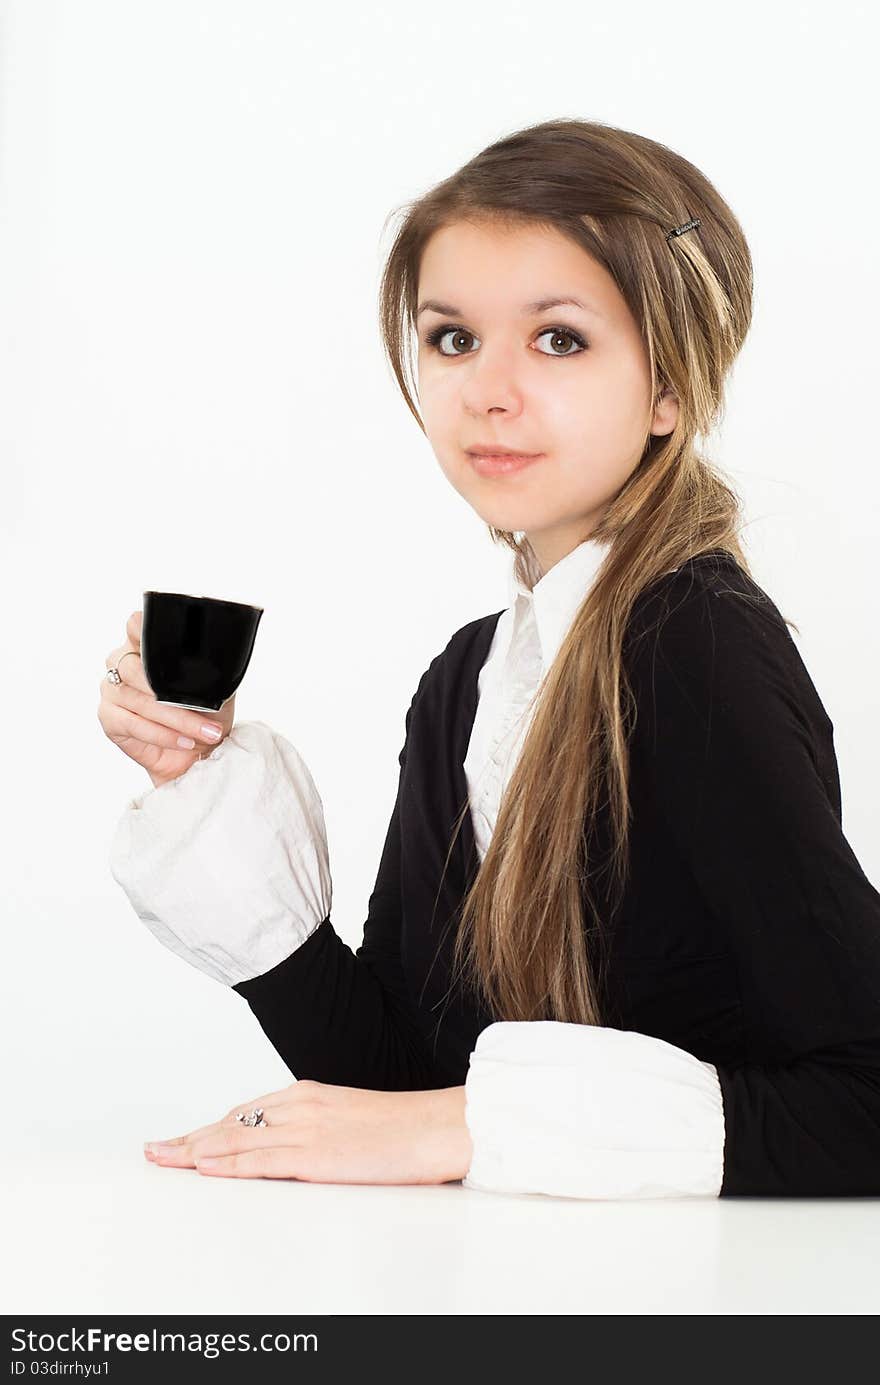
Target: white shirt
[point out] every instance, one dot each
(232, 873)
(527, 639)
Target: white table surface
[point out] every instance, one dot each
(104, 1231)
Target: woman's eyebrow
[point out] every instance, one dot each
(433, 305)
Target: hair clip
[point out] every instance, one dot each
(680, 230)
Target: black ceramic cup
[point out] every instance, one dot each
(196, 649)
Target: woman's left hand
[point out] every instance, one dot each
(324, 1134)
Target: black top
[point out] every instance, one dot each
(748, 933)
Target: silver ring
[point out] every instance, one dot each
(112, 675)
(254, 1117)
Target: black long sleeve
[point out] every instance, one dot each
(735, 749)
(346, 1017)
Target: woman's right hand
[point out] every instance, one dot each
(145, 730)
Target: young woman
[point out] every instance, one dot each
(618, 944)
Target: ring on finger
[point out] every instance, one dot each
(113, 675)
(254, 1117)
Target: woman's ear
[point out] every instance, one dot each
(665, 413)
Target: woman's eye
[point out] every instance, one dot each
(435, 338)
(566, 334)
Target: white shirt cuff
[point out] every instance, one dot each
(575, 1110)
(228, 866)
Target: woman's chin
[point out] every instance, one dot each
(511, 518)
(512, 513)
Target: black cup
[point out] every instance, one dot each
(196, 649)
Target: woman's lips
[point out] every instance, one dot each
(486, 465)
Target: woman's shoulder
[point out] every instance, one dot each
(707, 596)
(709, 638)
(458, 663)
(717, 572)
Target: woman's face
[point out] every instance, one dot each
(571, 383)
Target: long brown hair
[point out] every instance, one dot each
(522, 936)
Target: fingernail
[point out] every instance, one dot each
(212, 733)
(185, 742)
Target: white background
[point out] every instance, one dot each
(194, 397)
